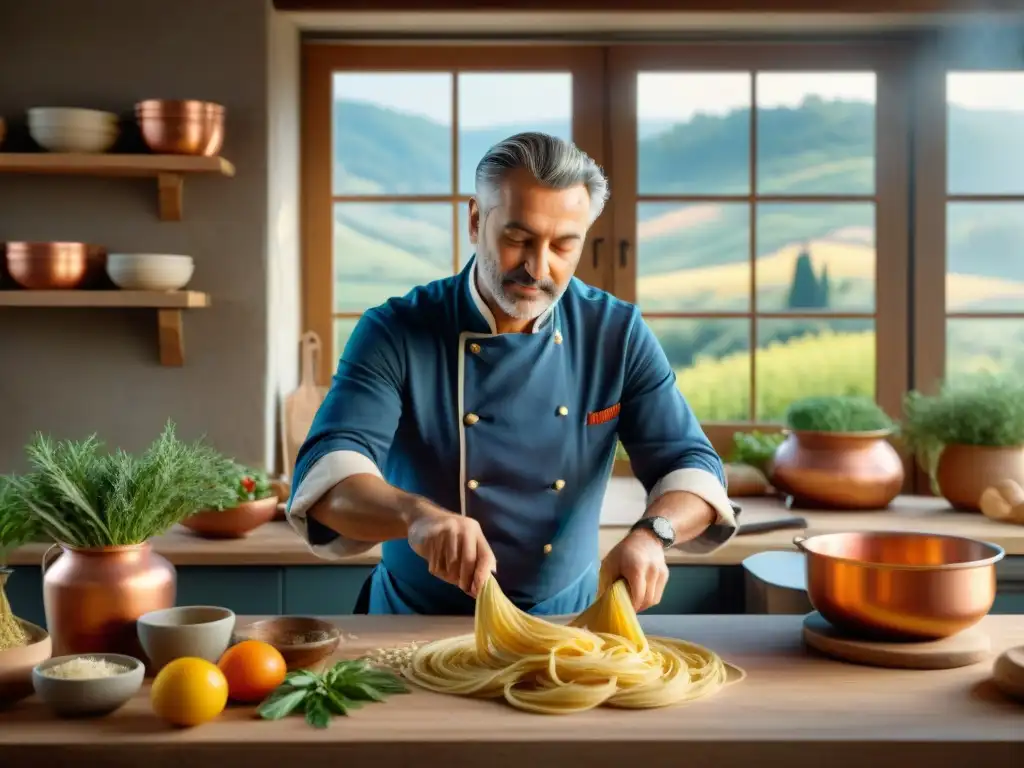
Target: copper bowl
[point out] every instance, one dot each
(234, 523)
(181, 127)
(303, 642)
(48, 266)
(900, 586)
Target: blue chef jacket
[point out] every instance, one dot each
(517, 431)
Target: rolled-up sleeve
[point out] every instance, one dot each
(352, 431)
(667, 448)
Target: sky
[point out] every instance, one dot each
(503, 98)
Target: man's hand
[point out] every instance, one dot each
(640, 560)
(454, 547)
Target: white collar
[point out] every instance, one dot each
(481, 305)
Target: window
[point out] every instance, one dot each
(754, 206)
(760, 213)
(403, 129)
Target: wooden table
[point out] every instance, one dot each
(793, 709)
(277, 544)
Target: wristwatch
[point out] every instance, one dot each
(660, 527)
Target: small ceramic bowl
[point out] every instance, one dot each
(92, 697)
(304, 642)
(202, 631)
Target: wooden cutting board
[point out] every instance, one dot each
(299, 408)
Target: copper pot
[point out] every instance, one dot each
(93, 597)
(48, 266)
(965, 471)
(233, 523)
(838, 470)
(181, 127)
(898, 585)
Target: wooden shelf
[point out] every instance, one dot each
(168, 304)
(168, 170)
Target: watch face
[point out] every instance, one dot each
(663, 529)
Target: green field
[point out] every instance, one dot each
(694, 257)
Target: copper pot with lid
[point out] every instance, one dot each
(900, 585)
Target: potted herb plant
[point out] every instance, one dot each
(837, 455)
(22, 644)
(101, 509)
(253, 503)
(968, 437)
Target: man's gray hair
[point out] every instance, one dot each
(554, 162)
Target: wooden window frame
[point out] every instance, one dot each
(889, 61)
(931, 196)
(320, 60)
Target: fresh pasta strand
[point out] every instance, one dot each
(601, 658)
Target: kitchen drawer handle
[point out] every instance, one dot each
(623, 253)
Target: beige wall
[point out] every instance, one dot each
(72, 372)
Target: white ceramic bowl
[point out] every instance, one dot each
(72, 117)
(63, 138)
(150, 271)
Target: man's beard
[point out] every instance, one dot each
(500, 285)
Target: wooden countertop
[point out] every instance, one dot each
(793, 709)
(277, 544)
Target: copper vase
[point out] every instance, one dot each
(93, 597)
(965, 471)
(838, 470)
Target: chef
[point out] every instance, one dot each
(472, 423)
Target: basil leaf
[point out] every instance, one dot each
(282, 705)
(338, 704)
(317, 714)
(302, 678)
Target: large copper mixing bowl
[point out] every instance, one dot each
(48, 266)
(185, 127)
(898, 585)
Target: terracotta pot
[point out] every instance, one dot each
(838, 470)
(16, 665)
(233, 523)
(93, 597)
(965, 471)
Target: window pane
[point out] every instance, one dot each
(984, 345)
(343, 327)
(711, 359)
(392, 133)
(496, 105)
(802, 358)
(693, 133)
(816, 257)
(385, 249)
(985, 257)
(693, 258)
(816, 133)
(985, 145)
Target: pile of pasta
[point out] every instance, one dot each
(600, 658)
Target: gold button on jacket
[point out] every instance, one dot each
(470, 419)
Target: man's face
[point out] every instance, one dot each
(528, 246)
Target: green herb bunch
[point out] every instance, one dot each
(838, 413)
(17, 527)
(342, 688)
(77, 494)
(756, 449)
(984, 409)
(247, 484)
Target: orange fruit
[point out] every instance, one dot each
(188, 692)
(253, 670)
